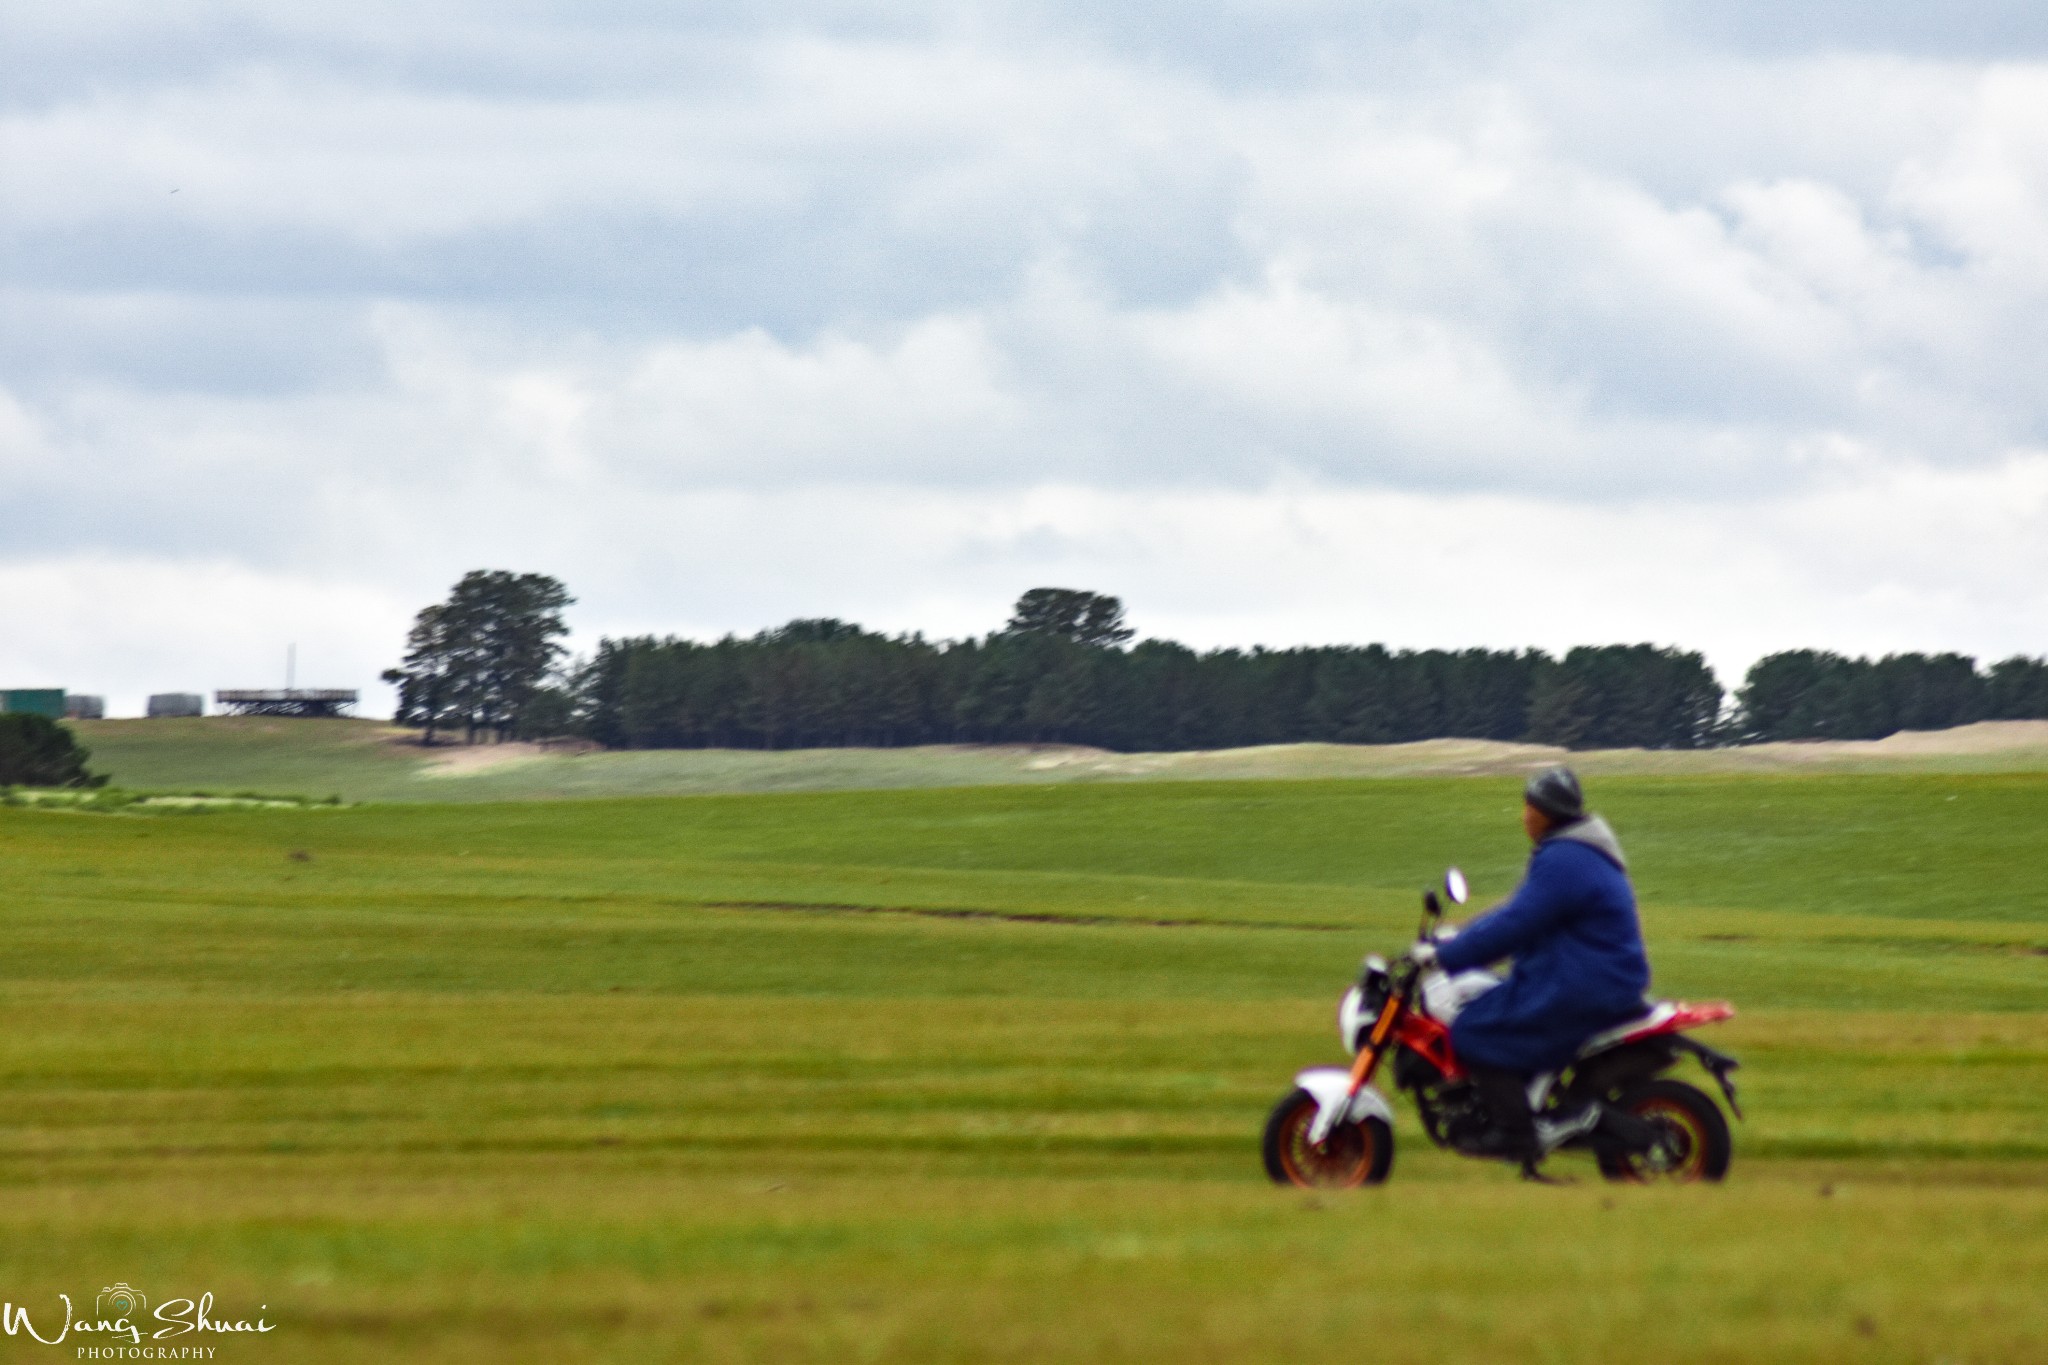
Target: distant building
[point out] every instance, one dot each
(36, 701)
(78, 706)
(176, 704)
(290, 701)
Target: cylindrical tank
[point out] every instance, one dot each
(177, 704)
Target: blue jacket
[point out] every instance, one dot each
(1571, 928)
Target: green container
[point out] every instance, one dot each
(36, 701)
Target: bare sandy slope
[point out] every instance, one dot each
(1985, 737)
(2018, 744)
(512, 771)
(364, 760)
(1991, 745)
(1432, 756)
(467, 760)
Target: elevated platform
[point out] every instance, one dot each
(289, 701)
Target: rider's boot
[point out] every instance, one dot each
(1507, 1105)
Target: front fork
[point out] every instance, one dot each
(1362, 1069)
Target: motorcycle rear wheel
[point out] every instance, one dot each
(1354, 1154)
(1695, 1135)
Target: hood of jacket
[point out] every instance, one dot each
(1595, 832)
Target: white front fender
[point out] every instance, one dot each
(1329, 1084)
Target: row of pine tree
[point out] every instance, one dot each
(1064, 670)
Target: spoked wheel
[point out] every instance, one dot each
(1355, 1154)
(1695, 1143)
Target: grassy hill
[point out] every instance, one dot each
(977, 1075)
(362, 760)
(355, 759)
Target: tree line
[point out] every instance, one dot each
(1064, 669)
(1812, 694)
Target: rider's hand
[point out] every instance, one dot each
(1423, 954)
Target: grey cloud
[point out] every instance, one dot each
(582, 48)
(1513, 291)
(166, 339)
(563, 47)
(736, 311)
(285, 296)
(1979, 30)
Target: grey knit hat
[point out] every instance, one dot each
(1555, 792)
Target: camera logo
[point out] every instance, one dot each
(117, 1300)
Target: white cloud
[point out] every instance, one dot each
(1908, 558)
(123, 628)
(743, 316)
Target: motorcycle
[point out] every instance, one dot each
(1335, 1129)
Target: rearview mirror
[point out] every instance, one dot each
(1454, 883)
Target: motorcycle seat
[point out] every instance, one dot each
(1662, 1016)
(1660, 1013)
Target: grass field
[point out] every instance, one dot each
(977, 1075)
(364, 760)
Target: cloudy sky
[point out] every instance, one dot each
(1488, 323)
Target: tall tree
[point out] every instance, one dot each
(479, 658)
(1086, 618)
(423, 679)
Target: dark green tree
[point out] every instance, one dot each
(478, 659)
(1929, 692)
(1063, 705)
(423, 680)
(1794, 694)
(2017, 689)
(1561, 709)
(36, 751)
(1814, 694)
(1626, 697)
(548, 714)
(1086, 618)
(997, 683)
(1057, 672)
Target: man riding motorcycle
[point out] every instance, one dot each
(1579, 964)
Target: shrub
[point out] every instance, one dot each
(36, 751)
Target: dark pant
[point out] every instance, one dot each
(1506, 1099)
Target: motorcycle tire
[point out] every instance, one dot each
(1355, 1154)
(1693, 1126)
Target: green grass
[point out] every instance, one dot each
(362, 760)
(977, 1075)
(356, 759)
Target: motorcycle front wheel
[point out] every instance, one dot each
(1696, 1144)
(1354, 1154)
